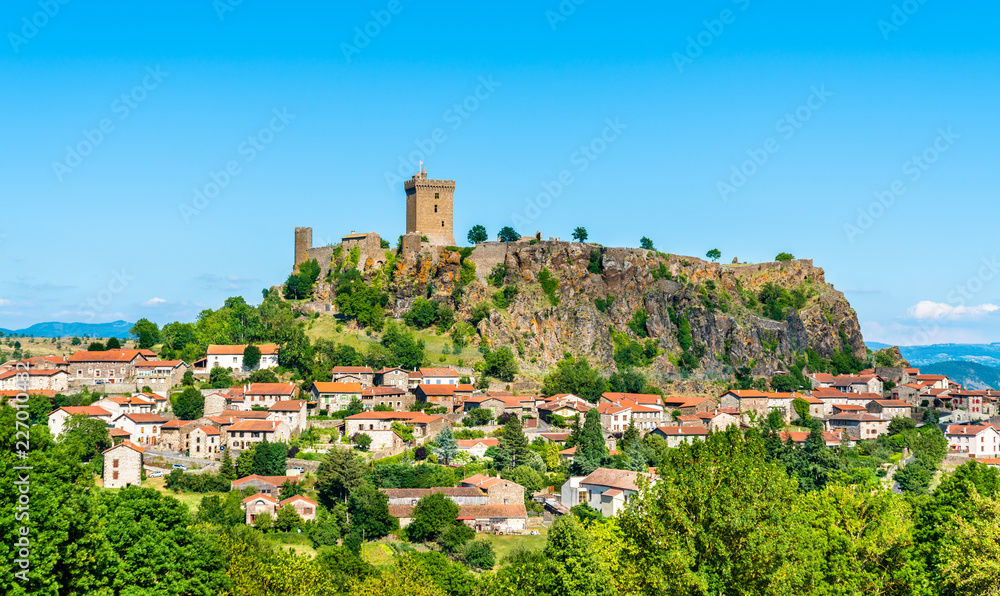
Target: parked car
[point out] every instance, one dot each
(155, 474)
(180, 467)
(297, 470)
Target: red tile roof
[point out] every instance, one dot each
(146, 418)
(159, 364)
(88, 410)
(128, 444)
(352, 369)
(271, 389)
(291, 405)
(678, 431)
(255, 426)
(620, 479)
(261, 496)
(209, 430)
(327, 387)
(438, 390)
(108, 356)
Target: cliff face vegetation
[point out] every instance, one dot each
(623, 307)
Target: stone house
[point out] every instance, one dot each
(890, 408)
(257, 505)
(969, 401)
(247, 433)
(160, 375)
(848, 409)
(119, 405)
(909, 393)
(35, 379)
(498, 490)
(205, 442)
(378, 426)
(566, 408)
(614, 418)
(144, 428)
(392, 396)
(160, 402)
(676, 435)
(216, 403)
(175, 435)
(353, 374)
(460, 495)
(896, 374)
(230, 357)
(818, 380)
(392, 377)
(268, 394)
(111, 366)
(974, 440)
(442, 396)
(717, 421)
(605, 490)
(58, 417)
(123, 465)
(304, 506)
(858, 426)
(858, 384)
(292, 412)
(332, 397)
(649, 400)
(267, 485)
(36, 362)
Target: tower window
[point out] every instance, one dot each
(442, 224)
(435, 208)
(437, 195)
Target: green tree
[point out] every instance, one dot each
(287, 519)
(577, 377)
(113, 344)
(190, 404)
(368, 510)
(251, 357)
(572, 564)
(188, 379)
(479, 554)
(219, 378)
(146, 332)
(500, 363)
(512, 449)
(784, 256)
(580, 234)
(433, 514)
(446, 447)
(477, 234)
(227, 470)
(646, 243)
(508, 234)
(96, 346)
(714, 254)
(340, 472)
(408, 352)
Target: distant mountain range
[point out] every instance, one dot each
(970, 374)
(117, 329)
(987, 354)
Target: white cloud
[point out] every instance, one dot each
(4, 302)
(927, 310)
(154, 302)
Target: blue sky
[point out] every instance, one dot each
(114, 113)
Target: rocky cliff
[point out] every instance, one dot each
(600, 290)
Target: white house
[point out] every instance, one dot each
(291, 412)
(59, 416)
(676, 435)
(144, 428)
(477, 447)
(605, 490)
(231, 357)
(35, 379)
(119, 405)
(977, 441)
(433, 376)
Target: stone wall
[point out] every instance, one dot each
(303, 242)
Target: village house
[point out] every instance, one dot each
(304, 506)
(335, 396)
(486, 503)
(605, 490)
(460, 495)
(614, 418)
(123, 465)
(858, 384)
(175, 434)
(160, 375)
(268, 394)
(818, 380)
(36, 362)
(393, 377)
(831, 439)
(833, 397)
(160, 402)
(498, 490)
(292, 412)
(433, 376)
(477, 447)
(227, 418)
(111, 366)
(353, 374)
(556, 438)
(910, 393)
(230, 357)
(118, 435)
(258, 505)
(717, 420)
(205, 442)
(649, 400)
(936, 381)
(58, 417)
(392, 396)
(859, 426)
(974, 440)
(566, 408)
(677, 435)
(247, 433)
(144, 428)
(216, 403)
(968, 401)
(890, 408)
(378, 426)
(442, 396)
(266, 485)
(688, 406)
(34, 379)
(848, 409)
(128, 404)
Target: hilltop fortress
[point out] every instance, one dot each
(429, 215)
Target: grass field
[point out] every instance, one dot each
(192, 500)
(326, 327)
(504, 545)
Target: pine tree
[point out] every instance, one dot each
(228, 470)
(447, 447)
(630, 437)
(513, 449)
(591, 444)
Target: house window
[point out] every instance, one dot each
(114, 475)
(114, 464)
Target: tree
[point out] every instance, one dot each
(500, 363)
(433, 514)
(408, 352)
(251, 357)
(478, 417)
(362, 440)
(784, 256)
(227, 470)
(455, 537)
(714, 254)
(368, 510)
(263, 375)
(190, 404)
(477, 234)
(577, 377)
(95, 346)
(646, 243)
(446, 447)
(479, 554)
(264, 522)
(188, 379)
(287, 519)
(572, 565)
(580, 234)
(590, 450)
(146, 332)
(512, 449)
(508, 234)
(113, 344)
(340, 473)
(219, 378)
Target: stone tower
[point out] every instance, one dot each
(303, 242)
(429, 208)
